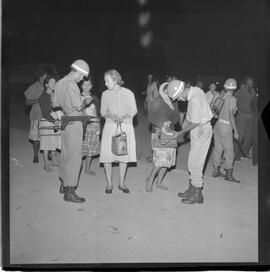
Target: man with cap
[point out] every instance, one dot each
(68, 97)
(197, 121)
(224, 131)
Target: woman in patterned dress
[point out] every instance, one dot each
(162, 112)
(91, 142)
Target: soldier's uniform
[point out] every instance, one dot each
(67, 96)
(223, 133)
(223, 136)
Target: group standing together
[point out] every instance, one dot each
(71, 96)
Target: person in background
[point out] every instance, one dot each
(199, 84)
(32, 94)
(161, 112)
(91, 142)
(198, 123)
(151, 91)
(212, 93)
(49, 141)
(68, 97)
(118, 106)
(254, 107)
(244, 118)
(224, 131)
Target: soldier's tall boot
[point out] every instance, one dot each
(187, 192)
(229, 176)
(195, 197)
(71, 196)
(216, 172)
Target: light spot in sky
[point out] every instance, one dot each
(144, 18)
(142, 2)
(146, 39)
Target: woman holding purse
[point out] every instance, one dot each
(163, 115)
(118, 107)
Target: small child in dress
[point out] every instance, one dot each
(91, 142)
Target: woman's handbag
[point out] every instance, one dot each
(157, 142)
(119, 142)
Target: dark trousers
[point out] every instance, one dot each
(255, 141)
(244, 124)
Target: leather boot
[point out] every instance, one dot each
(229, 176)
(188, 191)
(195, 197)
(71, 196)
(216, 172)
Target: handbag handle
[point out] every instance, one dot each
(118, 124)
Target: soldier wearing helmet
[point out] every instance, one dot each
(197, 121)
(224, 131)
(68, 97)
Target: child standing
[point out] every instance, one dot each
(91, 142)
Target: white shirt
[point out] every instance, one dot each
(198, 110)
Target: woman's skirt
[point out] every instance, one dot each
(106, 155)
(91, 142)
(33, 131)
(49, 140)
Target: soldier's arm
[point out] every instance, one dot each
(189, 126)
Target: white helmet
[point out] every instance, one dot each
(81, 66)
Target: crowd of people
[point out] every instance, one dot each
(221, 122)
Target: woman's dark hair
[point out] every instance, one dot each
(41, 71)
(115, 75)
(48, 78)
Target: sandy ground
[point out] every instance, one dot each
(126, 228)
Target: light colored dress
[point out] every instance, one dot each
(119, 102)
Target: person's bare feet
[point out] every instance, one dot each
(149, 185)
(47, 168)
(161, 186)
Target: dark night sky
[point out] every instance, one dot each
(191, 37)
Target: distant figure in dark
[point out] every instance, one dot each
(244, 117)
(254, 107)
(199, 84)
(32, 94)
(212, 93)
(151, 91)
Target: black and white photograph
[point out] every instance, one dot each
(132, 133)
